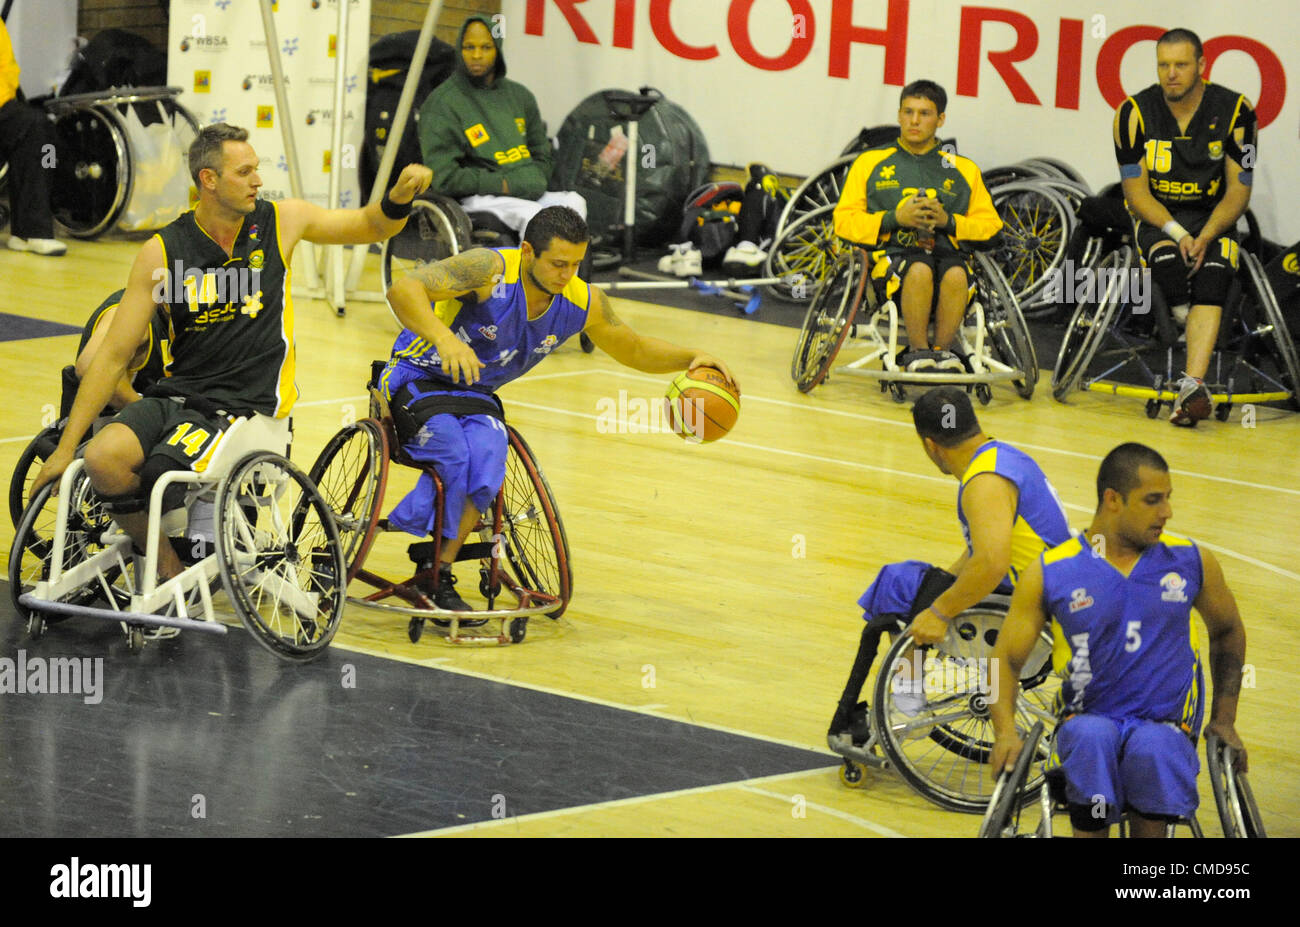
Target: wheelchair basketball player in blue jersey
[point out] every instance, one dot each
(472, 323)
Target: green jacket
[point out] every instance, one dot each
(485, 139)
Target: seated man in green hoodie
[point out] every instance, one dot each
(484, 138)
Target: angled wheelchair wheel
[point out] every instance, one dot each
(534, 545)
(93, 172)
(1036, 225)
(818, 190)
(939, 735)
(1090, 321)
(29, 464)
(1006, 326)
(279, 556)
(351, 475)
(829, 320)
(1278, 344)
(1232, 794)
(438, 228)
(1005, 802)
(803, 254)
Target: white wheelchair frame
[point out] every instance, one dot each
(237, 556)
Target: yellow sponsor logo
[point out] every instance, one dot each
(947, 185)
(1291, 263)
(519, 124)
(887, 172)
(885, 184)
(256, 259)
(325, 163)
(476, 134)
(334, 46)
(511, 155)
(265, 117)
(1176, 187)
(1216, 151)
(202, 81)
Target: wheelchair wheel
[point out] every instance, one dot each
(829, 319)
(1090, 322)
(351, 475)
(942, 746)
(279, 555)
(1058, 168)
(535, 546)
(820, 189)
(29, 464)
(438, 228)
(802, 255)
(1036, 225)
(1005, 801)
(1278, 345)
(1232, 794)
(93, 173)
(1006, 326)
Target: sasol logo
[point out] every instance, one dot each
(1175, 588)
(1079, 600)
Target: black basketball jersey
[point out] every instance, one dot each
(1186, 170)
(231, 318)
(157, 351)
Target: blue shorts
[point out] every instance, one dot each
(1113, 766)
(469, 454)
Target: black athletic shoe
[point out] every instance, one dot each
(445, 597)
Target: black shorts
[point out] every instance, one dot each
(164, 426)
(890, 267)
(1223, 251)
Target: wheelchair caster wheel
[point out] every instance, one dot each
(518, 628)
(135, 638)
(1153, 408)
(487, 590)
(587, 345)
(897, 392)
(36, 626)
(984, 393)
(1223, 411)
(415, 629)
(853, 774)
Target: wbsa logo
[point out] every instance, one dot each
(259, 80)
(208, 42)
(326, 115)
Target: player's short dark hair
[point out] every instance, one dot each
(205, 150)
(1119, 471)
(946, 416)
(1175, 36)
(556, 222)
(928, 90)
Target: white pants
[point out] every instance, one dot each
(515, 212)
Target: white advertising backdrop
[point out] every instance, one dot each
(217, 53)
(790, 82)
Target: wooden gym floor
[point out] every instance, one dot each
(715, 586)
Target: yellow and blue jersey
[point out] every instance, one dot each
(498, 330)
(1040, 521)
(1126, 644)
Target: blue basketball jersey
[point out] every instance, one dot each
(1040, 520)
(1127, 644)
(498, 329)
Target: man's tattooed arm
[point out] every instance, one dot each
(469, 270)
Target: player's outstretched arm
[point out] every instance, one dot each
(1020, 632)
(640, 352)
(304, 220)
(129, 327)
(1218, 609)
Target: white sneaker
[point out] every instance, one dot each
(47, 246)
(690, 262)
(746, 255)
(669, 261)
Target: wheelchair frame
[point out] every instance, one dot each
(352, 473)
(1232, 797)
(993, 333)
(1098, 321)
(935, 749)
(260, 524)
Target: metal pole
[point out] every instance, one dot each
(286, 126)
(335, 281)
(398, 129)
(629, 198)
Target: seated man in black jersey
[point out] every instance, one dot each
(221, 273)
(1186, 150)
(147, 366)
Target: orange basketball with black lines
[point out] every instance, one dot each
(702, 405)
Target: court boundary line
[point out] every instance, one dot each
(743, 785)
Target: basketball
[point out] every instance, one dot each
(702, 405)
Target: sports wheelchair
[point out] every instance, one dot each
(522, 547)
(942, 749)
(1109, 335)
(1233, 797)
(274, 548)
(993, 334)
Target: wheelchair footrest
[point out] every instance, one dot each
(107, 614)
(479, 550)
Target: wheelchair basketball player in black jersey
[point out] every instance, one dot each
(1186, 150)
